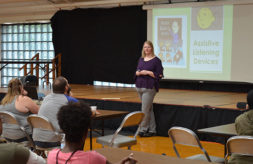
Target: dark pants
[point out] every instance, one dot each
(47, 144)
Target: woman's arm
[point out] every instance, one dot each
(158, 72)
(138, 73)
(149, 73)
(127, 160)
(25, 104)
(145, 72)
(34, 158)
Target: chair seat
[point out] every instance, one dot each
(47, 149)
(23, 141)
(120, 140)
(11, 125)
(203, 157)
(130, 120)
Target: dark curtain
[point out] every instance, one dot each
(99, 44)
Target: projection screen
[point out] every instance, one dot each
(210, 41)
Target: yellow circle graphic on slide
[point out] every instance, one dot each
(205, 18)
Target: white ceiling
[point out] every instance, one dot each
(38, 10)
(16, 11)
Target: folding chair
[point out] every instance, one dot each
(117, 140)
(9, 118)
(41, 122)
(241, 145)
(184, 136)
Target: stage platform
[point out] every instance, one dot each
(214, 99)
(172, 107)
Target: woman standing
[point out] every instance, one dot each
(21, 106)
(149, 72)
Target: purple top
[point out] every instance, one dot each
(146, 81)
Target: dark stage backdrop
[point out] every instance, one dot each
(99, 44)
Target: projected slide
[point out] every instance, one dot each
(170, 46)
(194, 43)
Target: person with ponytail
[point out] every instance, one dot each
(16, 102)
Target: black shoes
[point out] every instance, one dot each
(146, 134)
(141, 134)
(149, 134)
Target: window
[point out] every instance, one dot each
(102, 83)
(23, 41)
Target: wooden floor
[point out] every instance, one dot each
(163, 145)
(164, 96)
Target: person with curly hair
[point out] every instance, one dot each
(16, 102)
(74, 120)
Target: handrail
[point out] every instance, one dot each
(55, 66)
(36, 57)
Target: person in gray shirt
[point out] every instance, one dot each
(16, 102)
(49, 109)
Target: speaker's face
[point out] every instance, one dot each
(147, 49)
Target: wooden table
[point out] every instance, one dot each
(226, 131)
(114, 155)
(105, 114)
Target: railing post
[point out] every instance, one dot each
(36, 57)
(25, 70)
(37, 65)
(47, 74)
(56, 69)
(31, 68)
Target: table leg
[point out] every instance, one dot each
(91, 136)
(103, 132)
(225, 146)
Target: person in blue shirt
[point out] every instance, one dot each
(69, 95)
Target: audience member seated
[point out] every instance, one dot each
(30, 83)
(12, 153)
(21, 106)
(49, 108)
(69, 95)
(244, 126)
(74, 119)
